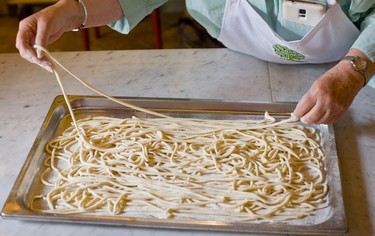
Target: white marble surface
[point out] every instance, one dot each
(26, 93)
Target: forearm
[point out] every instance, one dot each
(47, 25)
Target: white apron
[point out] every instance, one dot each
(243, 30)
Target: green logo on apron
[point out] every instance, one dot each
(287, 53)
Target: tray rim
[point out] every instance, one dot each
(13, 209)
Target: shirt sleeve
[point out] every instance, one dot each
(366, 41)
(209, 13)
(134, 12)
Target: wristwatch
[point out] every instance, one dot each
(360, 65)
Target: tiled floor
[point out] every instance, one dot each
(176, 33)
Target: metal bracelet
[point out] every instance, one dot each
(83, 25)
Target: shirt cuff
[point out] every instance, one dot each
(134, 12)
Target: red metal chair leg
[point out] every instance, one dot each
(85, 39)
(156, 28)
(97, 33)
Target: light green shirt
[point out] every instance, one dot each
(209, 13)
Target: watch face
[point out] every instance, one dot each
(360, 64)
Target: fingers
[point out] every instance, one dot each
(309, 109)
(41, 37)
(317, 110)
(28, 34)
(319, 115)
(325, 102)
(316, 115)
(25, 40)
(316, 107)
(304, 106)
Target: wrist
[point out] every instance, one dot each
(359, 65)
(85, 15)
(99, 13)
(356, 78)
(369, 71)
(77, 14)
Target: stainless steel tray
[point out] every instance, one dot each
(327, 221)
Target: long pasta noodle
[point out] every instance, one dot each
(239, 170)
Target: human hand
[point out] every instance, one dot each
(330, 96)
(45, 27)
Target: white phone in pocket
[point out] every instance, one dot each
(303, 12)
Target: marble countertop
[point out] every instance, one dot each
(27, 91)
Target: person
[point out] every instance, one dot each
(267, 29)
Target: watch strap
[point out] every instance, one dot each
(363, 72)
